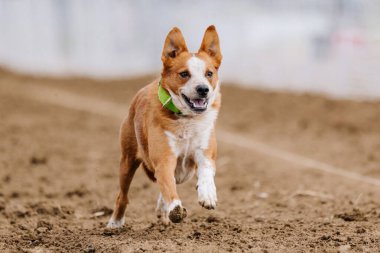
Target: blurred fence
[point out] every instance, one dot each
(328, 46)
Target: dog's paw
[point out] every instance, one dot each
(112, 223)
(163, 215)
(177, 214)
(164, 219)
(162, 211)
(207, 193)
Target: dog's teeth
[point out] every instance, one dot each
(199, 103)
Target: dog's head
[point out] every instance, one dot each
(191, 78)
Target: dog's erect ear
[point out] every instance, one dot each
(210, 45)
(174, 45)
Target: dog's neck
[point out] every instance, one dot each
(166, 100)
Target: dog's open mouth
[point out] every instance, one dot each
(196, 104)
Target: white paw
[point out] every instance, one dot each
(162, 211)
(112, 223)
(176, 212)
(207, 193)
(164, 218)
(173, 204)
(173, 211)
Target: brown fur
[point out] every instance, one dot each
(142, 136)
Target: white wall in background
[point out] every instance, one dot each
(331, 47)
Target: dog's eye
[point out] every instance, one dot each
(185, 74)
(209, 73)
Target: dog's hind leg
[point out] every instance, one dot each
(161, 210)
(128, 166)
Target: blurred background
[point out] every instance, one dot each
(322, 46)
(298, 166)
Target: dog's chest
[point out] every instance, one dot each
(190, 136)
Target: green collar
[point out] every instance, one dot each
(166, 100)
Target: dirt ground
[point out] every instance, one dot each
(58, 174)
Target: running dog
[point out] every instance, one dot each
(170, 130)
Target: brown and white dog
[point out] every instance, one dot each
(172, 146)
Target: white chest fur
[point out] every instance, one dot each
(191, 135)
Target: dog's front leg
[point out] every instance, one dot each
(206, 185)
(170, 205)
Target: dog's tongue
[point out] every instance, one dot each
(199, 102)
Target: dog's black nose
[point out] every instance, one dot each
(202, 90)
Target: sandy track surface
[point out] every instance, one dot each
(58, 176)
